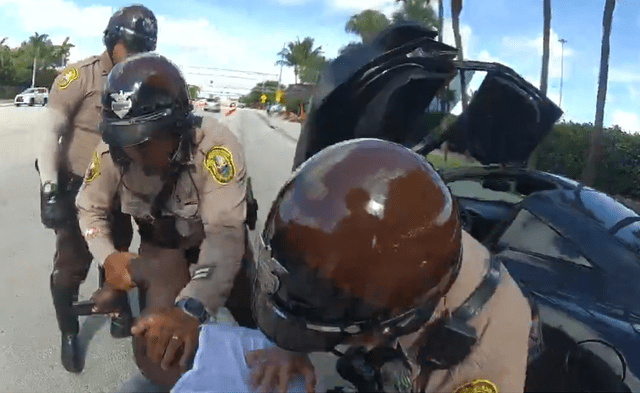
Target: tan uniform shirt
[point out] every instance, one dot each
(502, 327)
(202, 199)
(75, 97)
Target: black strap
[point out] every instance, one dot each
(481, 295)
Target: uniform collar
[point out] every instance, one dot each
(105, 63)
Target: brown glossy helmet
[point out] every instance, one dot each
(364, 237)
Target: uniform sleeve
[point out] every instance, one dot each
(66, 95)
(94, 202)
(223, 214)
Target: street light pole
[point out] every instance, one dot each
(562, 41)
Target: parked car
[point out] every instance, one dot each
(274, 109)
(212, 104)
(32, 96)
(574, 251)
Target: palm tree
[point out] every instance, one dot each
(299, 55)
(456, 8)
(367, 24)
(418, 11)
(595, 151)
(61, 53)
(544, 77)
(545, 47)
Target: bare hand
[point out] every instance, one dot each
(276, 366)
(117, 271)
(171, 335)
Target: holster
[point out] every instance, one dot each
(58, 210)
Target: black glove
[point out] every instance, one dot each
(57, 207)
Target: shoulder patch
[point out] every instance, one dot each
(478, 386)
(68, 75)
(94, 169)
(219, 163)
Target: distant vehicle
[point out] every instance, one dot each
(241, 105)
(275, 108)
(212, 104)
(232, 105)
(32, 96)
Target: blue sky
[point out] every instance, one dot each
(247, 34)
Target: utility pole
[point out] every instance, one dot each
(562, 41)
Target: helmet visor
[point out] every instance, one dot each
(295, 332)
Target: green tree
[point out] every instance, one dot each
(6, 64)
(595, 150)
(418, 11)
(194, 91)
(310, 72)
(267, 87)
(367, 25)
(61, 52)
(301, 55)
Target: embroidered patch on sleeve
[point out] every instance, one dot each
(91, 233)
(478, 386)
(94, 169)
(68, 75)
(219, 163)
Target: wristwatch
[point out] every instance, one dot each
(49, 188)
(194, 308)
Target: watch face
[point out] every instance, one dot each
(195, 308)
(48, 188)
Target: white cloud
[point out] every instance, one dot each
(628, 121)
(633, 92)
(486, 56)
(59, 15)
(622, 76)
(532, 47)
(465, 34)
(360, 5)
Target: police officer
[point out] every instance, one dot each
(71, 137)
(182, 178)
(363, 248)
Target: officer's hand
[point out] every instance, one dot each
(171, 335)
(107, 300)
(117, 271)
(277, 367)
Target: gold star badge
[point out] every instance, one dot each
(478, 386)
(94, 169)
(68, 75)
(219, 163)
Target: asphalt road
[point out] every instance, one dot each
(29, 337)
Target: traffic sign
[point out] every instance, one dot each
(263, 98)
(279, 94)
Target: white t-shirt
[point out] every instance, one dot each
(219, 364)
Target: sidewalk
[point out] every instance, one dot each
(6, 102)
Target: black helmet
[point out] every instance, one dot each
(364, 238)
(136, 26)
(144, 94)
